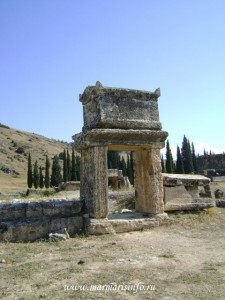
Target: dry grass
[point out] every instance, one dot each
(182, 262)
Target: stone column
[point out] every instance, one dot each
(148, 181)
(94, 181)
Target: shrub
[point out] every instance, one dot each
(20, 150)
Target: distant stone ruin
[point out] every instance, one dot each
(117, 181)
(120, 120)
(181, 192)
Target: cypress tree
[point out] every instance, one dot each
(132, 168)
(129, 171)
(123, 166)
(47, 174)
(163, 165)
(186, 156)
(41, 178)
(169, 159)
(29, 173)
(194, 159)
(73, 167)
(179, 162)
(68, 162)
(113, 160)
(56, 177)
(77, 167)
(65, 171)
(36, 175)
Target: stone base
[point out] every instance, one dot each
(125, 222)
(190, 206)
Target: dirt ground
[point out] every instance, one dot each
(184, 259)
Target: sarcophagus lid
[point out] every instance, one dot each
(107, 107)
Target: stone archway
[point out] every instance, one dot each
(120, 119)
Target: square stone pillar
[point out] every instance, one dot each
(94, 181)
(148, 181)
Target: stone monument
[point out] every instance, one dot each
(120, 120)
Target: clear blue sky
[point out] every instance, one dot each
(50, 50)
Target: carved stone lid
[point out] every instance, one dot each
(92, 92)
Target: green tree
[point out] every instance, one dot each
(47, 173)
(65, 172)
(187, 156)
(169, 159)
(77, 167)
(113, 160)
(56, 177)
(36, 175)
(68, 161)
(73, 166)
(41, 178)
(29, 173)
(123, 166)
(194, 159)
(179, 162)
(163, 165)
(130, 168)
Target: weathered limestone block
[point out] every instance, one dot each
(176, 198)
(120, 139)
(94, 181)
(206, 193)
(31, 229)
(107, 107)
(184, 179)
(148, 181)
(98, 226)
(123, 224)
(219, 194)
(26, 230)
(193, 190)
(61, 208)
(181, 192)
(34, 209)
(72, 224)
(12, 211)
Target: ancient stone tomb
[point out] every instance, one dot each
(121, 120)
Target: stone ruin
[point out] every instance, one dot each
(119, 119)
(117, 181)
(181, 192)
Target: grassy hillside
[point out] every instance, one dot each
(14, 148)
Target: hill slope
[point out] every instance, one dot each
(14, 148)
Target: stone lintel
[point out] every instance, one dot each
(120, 139)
